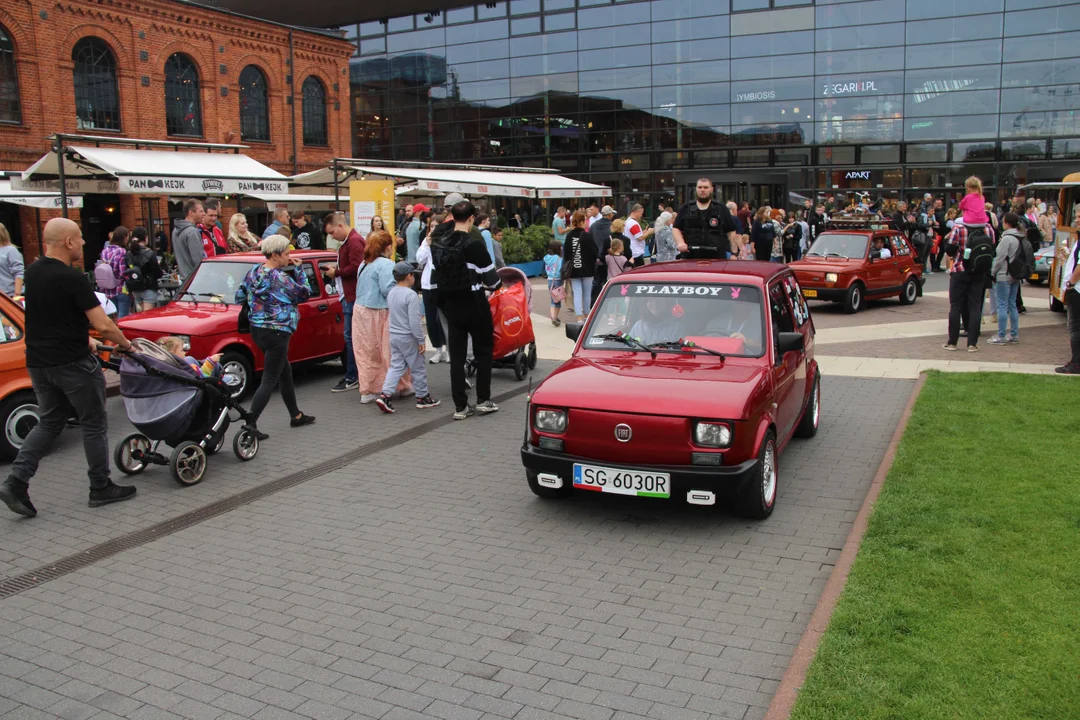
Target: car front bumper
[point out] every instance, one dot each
(829, 294)
(720, 479)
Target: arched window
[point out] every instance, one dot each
(10, 110)
(183, 104)
(314, 111)
(97, 97)
(254, 105)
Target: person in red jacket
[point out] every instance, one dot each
(212, 236)
(350, 257)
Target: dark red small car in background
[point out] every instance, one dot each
(205, 314)
(686, 381)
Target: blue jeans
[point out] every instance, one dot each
(1005, 293)
(123, 305)
(350, 359)
(582, 288)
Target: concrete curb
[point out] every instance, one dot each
(784, 700)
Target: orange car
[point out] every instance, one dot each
(18, 404)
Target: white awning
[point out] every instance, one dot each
(436, 180)
(1048, 185)
(294, 201)
(153, 172)
(35, 199)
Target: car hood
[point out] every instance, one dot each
(672, 384)
(185, 318)
(836, 265)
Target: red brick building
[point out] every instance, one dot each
(163, 70)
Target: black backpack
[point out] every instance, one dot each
(1032, 231)
(1021, 267)
(979, 252)
(135, 277)
(449, 270)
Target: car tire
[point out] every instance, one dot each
(757, 498)
(1056, 305)
(545, 492)
(18, 415)
(853, 301)
(910, 292)
(1035, 282)
(240, 365)
(812, 415)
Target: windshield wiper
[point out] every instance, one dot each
(839, 255)
(628, 341)
(212, 296)
(188, 292)
(813, 253)
(683, 344)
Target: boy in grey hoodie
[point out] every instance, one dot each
(187, 239)
(406, 342)
(1009, 247)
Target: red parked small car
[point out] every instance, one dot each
(205, 314)
(687, 379)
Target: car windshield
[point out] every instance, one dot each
(849, 246)
(726, 319)
(217, 282)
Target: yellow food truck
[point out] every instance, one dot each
(1065, 234)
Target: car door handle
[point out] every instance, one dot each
(322, 308)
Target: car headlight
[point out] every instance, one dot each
(186, 339)
(831, 277)
(709, 434)
(550, 420)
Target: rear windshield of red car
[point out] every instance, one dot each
(839, 245)
(724, 318)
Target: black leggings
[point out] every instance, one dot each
(276, 370)
(434, 324)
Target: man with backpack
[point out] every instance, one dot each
(463, 270)
(972, 251)
(1013, 263)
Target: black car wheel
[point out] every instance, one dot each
(854, 299)
(758, 497)
(19, 415)
(239, 366)
(910, 292)
(812, 415)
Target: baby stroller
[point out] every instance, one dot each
(511, 306)
(169, 404)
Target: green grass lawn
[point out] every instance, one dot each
(964, 600)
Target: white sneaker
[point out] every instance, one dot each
(445, 354)
(367, 399)
(436, 357)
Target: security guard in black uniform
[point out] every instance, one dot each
(704, 229)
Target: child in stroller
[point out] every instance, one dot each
(171, 402)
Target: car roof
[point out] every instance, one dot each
(726, 271)
(256, 255)
(859, 232)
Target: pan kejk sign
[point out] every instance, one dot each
(200, 186)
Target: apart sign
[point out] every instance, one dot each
(857, 175)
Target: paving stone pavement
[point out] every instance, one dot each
(428, 582)
(65, 524)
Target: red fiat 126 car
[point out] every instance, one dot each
(687, 380)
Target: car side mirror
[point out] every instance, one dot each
(790, 342)
(573, 330)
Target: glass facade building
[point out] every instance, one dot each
(773, 99)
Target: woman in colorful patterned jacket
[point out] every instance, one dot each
(115, 255)
(272, 293)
